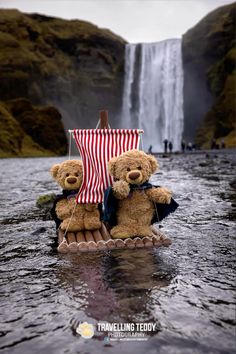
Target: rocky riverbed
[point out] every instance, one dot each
(187, 290)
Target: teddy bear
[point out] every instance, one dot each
(132, 204)
(66, 213)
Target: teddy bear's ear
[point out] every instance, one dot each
(153, 162)
(54, 170)
(111, 166)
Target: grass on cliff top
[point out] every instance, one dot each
(31, 26)
(50, 46)
(212, 37)
(214, 22)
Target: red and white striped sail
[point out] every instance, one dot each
(97, 147)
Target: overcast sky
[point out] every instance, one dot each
(134, 20)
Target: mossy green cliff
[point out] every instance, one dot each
(27, 130)
(209, 58)
(71, 65)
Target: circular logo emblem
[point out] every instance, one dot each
(86, 330)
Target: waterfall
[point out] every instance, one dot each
(153, 92)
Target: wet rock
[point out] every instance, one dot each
(39, 231)
(204, 164)
(214, 178)
(233, 184)
(210, 156)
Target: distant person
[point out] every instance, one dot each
(213, 144)
(190, 146)
(170, 147)
(222, 145)
(165, 145)
(150, 149)
(183, 145)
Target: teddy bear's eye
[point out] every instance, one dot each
(139, 167)
(76, 175)
(67, 175)
(128, 169)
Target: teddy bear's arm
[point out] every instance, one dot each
(63, 209)
(91, 207)
(159, 195)
(120, 189)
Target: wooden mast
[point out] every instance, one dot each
(103, 119)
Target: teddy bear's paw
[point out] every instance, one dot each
(71, 225)
(64, 225)
(75, 227)
(92, 224)
(165, 200)
(165, 195)
(122, 232)
(121, 189)
(143, 231)
(159, 195)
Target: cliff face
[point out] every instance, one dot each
(209, 57)
(27, 130)
(72, 65)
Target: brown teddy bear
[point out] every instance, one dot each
(65, 212)
(132, 204)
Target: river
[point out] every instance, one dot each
(187, 290)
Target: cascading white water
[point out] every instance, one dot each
(153, 92)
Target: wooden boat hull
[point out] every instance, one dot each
(101, 240)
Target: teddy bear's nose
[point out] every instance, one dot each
(134, 175)
(71, 180)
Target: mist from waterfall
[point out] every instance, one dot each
(153, 92)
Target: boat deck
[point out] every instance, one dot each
(101, 240)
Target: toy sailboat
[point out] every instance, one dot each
(96, 180)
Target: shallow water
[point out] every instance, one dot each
(187, 290)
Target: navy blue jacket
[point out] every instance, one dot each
(111, 204)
